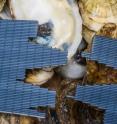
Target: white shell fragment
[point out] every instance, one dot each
(72, 70)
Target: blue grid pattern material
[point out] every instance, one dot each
(102, 96)
(19, 100)
(17, 54)
(15, 46)
(104, 50)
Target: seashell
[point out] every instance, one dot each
(66, 27)
(38, 76)
(65, 18)
(95, 13)
(2, 3)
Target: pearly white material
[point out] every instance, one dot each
(65, 18)
(77, 36)
(72, 70)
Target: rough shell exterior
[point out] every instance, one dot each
(2, 3)
(108, 30)
(96, 13)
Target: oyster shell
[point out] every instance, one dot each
(96, 13)
(99, 16)
(65, 17)
(2, 3)
(66, 26)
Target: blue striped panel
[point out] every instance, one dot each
(102, 96)
(17, 54)
(104, 50)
